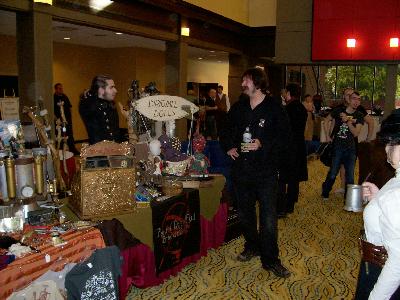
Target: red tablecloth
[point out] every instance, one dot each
(139, 266)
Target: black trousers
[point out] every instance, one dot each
(287, 196)
(366, 282)
(266, 240)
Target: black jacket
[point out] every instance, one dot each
(298, 117)
(100, 118)
(269, 123)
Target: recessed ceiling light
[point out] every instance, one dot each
(212, 51)
(200, 58)
(212, 55)
(119, 33)
(67, 38)
(99, 4)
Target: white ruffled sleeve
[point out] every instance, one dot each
(389, 279)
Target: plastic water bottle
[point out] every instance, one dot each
(247, 135)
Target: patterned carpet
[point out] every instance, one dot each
(318, 243)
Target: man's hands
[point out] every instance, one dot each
(233, 153)
(369, 191)
(345, 118)
(253, 146)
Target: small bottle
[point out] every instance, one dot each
(247, 135)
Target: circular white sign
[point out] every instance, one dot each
(165, 108)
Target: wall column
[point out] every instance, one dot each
(175, 77)
(390, 87)
(237, 65)
(35, 58)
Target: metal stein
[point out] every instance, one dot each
(40, 158)
(24, 177)
(353, 198)
(3, 176)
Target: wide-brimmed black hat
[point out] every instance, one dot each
(390, 129)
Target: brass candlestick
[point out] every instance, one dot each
(39, 178)
(10, 175)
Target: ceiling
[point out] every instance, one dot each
(90, 36)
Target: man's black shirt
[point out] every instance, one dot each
(269, 123)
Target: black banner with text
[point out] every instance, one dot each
(176, 229)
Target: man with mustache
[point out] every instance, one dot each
(256, 164)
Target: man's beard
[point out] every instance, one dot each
(247, 91)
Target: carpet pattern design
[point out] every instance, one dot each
(318, 244)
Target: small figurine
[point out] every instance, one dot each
(154, 157)
(199, 162)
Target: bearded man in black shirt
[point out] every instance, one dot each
(255, 166)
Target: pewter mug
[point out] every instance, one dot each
(354, 198)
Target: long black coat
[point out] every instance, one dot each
(298, 117)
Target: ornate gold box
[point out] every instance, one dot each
(105, 184)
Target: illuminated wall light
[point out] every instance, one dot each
(394, 42)
(67, 38)
(99, 4)
(44, 1)
(185, 31)
(200, 58)
(351, 43)
(118, 33)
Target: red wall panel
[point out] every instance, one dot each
(371, 22)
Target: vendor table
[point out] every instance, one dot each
(21, 272)
(140, 267)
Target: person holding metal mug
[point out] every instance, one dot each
(379, 276)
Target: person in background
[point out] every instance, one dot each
(308, 103)
(382, 225)
(98, 111)
(298, 117)
(61, 98)
(328, 126)
(211, 110)
(255, 166)
(283, 97)
(317, 100)
(223, 102)
(347, 124)
(223, 105)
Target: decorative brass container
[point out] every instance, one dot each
(105, 184)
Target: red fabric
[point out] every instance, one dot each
(71, 167)
(139, 266)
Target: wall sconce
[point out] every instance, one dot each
(185, 31)
(50, 2)
(351, 43)
(394, 42)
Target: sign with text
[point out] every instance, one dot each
(176, 229)
(9, 108)
(165, 108)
